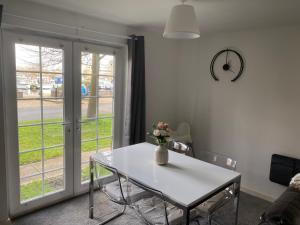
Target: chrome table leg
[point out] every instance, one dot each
(91, 190)
(237, 189)
(186, 216)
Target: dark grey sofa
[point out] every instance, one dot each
(285, 210)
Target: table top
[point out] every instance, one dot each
(185, 180)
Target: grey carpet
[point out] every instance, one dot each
(75, 212)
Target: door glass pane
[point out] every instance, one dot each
(106, 86)
(30, 137)
(52, 85)
(54, 181)
(28, 85)
(54, 158)
(39, 83)
(105, 127)
(88, 128)
(97, 88)
(105, 144)
(53, 110)
(31, 187)
(53, 134)
(29, 111)
(105, 107)
(30, 163)
(88, 108)
(88, 85)
(27, 57)
(52, 60)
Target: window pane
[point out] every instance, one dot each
(106, 64)
(105, 144)
(54, 181)
(53, 110)
(88, 108)
(53, 135)
(28, 85)
(89, 130)
(30, 163)
(105, 127)
(88, 146)
(29, 112)
(85, 173)
(52, 59)
(105, 107)
(106, 86)
(31, 187)
(27, 57)
(53, 85)
(86, 62)
(29, 138)
(88, 85)
(54, 158)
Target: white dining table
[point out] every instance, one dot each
(185, 182)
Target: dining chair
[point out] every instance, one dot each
(118, 200)
(209, 207)
(181, 140)
(120, 190)
(156, 210)
(181, 148)
(182, 133)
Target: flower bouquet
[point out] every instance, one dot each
(161, 134)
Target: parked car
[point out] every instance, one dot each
(105, 84)
(22, 83)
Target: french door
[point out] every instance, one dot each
(97, 107)
(60, 101)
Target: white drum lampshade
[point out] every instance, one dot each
(182, 23)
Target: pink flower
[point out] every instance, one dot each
(160, 125)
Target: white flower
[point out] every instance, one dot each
(163, 133)
(156, 133)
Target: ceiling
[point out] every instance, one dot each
(213, 15)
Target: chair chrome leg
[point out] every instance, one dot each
(91, 190)
(209, 219)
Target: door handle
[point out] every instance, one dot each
(67, 124)
(78, 126)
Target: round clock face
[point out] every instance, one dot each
(227, 63)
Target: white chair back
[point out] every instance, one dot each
(217, 159)
(182, 133)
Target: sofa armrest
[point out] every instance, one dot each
(285, 210)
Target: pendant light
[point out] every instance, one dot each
(182, 23)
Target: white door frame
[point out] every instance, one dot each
(9, 40)
(117, 110)
(72, 80)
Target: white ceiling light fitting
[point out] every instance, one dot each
(182, 23)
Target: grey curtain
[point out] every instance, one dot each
(136, 59)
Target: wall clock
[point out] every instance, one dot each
(227, 62)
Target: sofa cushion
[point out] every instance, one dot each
(285, 210)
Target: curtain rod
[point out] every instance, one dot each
(69, 26)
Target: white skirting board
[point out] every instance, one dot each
(257, 194)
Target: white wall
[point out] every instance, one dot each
(254, 117)
(161, 62)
